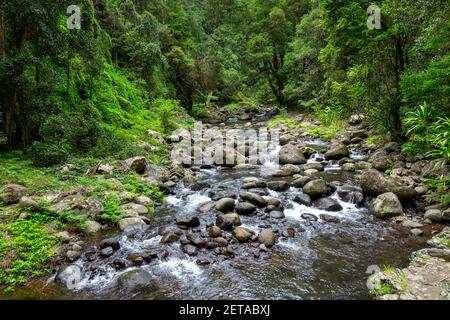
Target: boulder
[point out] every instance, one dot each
(227, 221)
(290, 170)
(267, 237)
(278, 185)
(348, 167)
(314, 165)
(300, 182)
(328, 204)
(187, 221)
(214, 232)
(27, 202)
(134, 222)
(12, 193)
(242, 234)
(356, 119)
(225, 205)
(386, 205)
(136, 279)
(133, 210)
(91, 227)
(190, 250)
(329, 218)
(254, 198)
(303, 198)
(276, 214)
(291, 154)
(69, 275)
(337, 151)
(316, 188)
(137, 164)
(435, 215)
(245, 208)
(144, 201)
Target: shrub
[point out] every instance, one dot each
(45, 154)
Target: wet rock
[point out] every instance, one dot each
(126, 196)
(277, 215)
(187, 221)
(446, 215)
(421, 190)
(137, 164)
(278, 185)
(435, 215)
(416, 232)
(12, 193)
(288, 233)
(291, 154)
(386, 205)
(329, 218)
(411, 224)
(303, 198)
(136, 279)
(111, 242)
(337, 151)
(273, 202)
(328, 204)
(73, 255)
(290, 169)
(356, 140)
(348, 167)
(267, 237)
(342, 137)
(381, 163)
(310, 172)
(314, 165)
(225, 205)
(129, 223)
(77, 247)
(356, 119)
(242, 234)
(254, 198)
(200, 186)
(106, 252)
(316, 188)
(350, 194)
(301, 182)
(190, 250)
(91, 227)
(214, 232)
(69, 275)
(245, 208)
(222, 242)
(196, 239)
(170, 237)
(135, 258)
(363, 165)
(227, 221)
(358, 134)
(309, 217)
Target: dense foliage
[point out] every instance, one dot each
(68, 91)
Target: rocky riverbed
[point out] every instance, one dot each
(308, 228)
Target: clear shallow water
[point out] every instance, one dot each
(323, 261)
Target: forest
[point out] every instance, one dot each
(77, 101)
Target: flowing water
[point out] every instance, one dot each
(324, 260)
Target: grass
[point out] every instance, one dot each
(395, 276)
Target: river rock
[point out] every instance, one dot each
(188, 221)
(300, 182)
(386, 205)
(273, 202)
(375, 183)
(356, 119)
(291, 154)
(267, 237)
(225, 205)
(278, 185)
(275, 214)
(242, 234)
(73, 255)
(69, 275)
(303, 198)
(245, 208)
(342, 137)
(110, 242)
(348, 167)
(227, 221)
(170, 237)
(106, 252)
(309, 217)
(196, 239)
(214, 232)
(190, 250)
(12, 193)
(290, 170)
(337, 151)
(314, 165)
(310, 172)
(316, 188)
(446, 215)
(137, 164)
(200, 186)
(381, 163)
(435, 215)
(254, 198)
(416, 232)
(328, 204)
(129, 223)
(137, 279)
(329, 218)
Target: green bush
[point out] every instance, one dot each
(45, 154)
